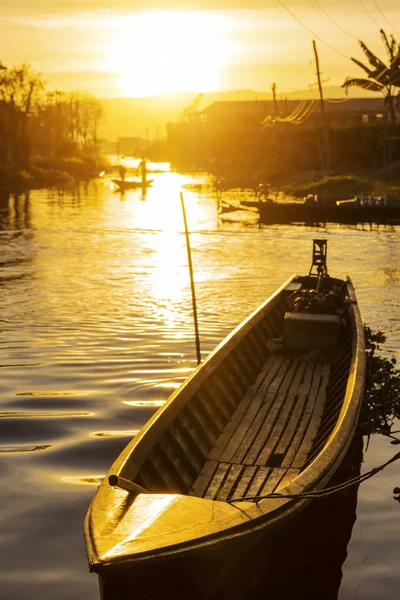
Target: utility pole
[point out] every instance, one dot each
(326, 151)
(274, 99)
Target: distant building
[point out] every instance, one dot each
(238, 116)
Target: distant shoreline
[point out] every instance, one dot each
(51, 172)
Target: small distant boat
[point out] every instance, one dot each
(255, 203)
(225, 207)
(273, 409)
(127, 184)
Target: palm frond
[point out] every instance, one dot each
(365, 84)
(373, 60)
(394, 45)
(388, 45)
(364, 67)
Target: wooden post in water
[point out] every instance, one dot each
(196, 325)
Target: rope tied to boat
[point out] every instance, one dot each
(324, 492)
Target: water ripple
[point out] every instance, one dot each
(97, 331)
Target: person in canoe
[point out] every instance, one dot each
(143, 170)
(122, 172)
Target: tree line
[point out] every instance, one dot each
(36, 120)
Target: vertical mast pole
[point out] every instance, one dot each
(189, 255)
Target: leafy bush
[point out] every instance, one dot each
(381, 404)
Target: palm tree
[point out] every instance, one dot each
(381, 78)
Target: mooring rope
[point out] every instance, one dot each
(324, 492)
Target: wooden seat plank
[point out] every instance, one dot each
(258, 481)
(311, 394)
(233, 475)
(235, 430)
(246, 477)
(206, 475)
(216, 482)
(279, 427)
(256, 439)
(275, 476)
(286, 390)
(293, 426)
(244, 436)
(307, 442)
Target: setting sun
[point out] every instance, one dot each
(164, 52)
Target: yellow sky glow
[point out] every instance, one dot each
(116, 49)
(164, 52)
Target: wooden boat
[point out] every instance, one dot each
(226, 207)
(272, 410)
(304, 212)
(127, 184)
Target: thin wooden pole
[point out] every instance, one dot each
(325, 132)
(196, 325)
(274, 99)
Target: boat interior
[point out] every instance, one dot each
(261, 408)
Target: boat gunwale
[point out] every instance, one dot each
(316, 474)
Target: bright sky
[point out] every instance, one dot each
(114, 48)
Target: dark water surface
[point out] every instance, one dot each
(96, 331)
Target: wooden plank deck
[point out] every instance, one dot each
(267, 441)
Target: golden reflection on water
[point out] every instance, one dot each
(17, 449)
(144, 403)
(37, 414)
(115, 433)
(97, 304)
(51, 394)
(168, 278)
(83, 480)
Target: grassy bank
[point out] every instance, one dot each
(52, 172)
(341, 187)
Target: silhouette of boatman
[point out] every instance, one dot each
(143, 169)
(122, 171)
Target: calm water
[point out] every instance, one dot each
(97, 331)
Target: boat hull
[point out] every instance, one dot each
(132, 185)
(267, 562)
(209, 449)
(296, 212)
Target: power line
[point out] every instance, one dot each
(368, 13)
(387, 21)
(322, 9)
(311, 31)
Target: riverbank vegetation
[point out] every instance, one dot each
(48, 138)
(364, 157)
(381, 406)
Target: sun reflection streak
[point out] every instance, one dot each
(169, 289)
